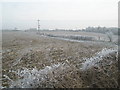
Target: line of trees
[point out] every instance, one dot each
(103, 30)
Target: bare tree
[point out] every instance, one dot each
(110, 36)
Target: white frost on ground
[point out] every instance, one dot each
(34, 78)
(38, 78)
(89, 62)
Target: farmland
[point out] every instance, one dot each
(56, 59)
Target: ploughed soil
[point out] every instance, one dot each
(30, 60)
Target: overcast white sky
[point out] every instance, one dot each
(67, 14)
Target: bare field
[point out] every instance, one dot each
(30, 60)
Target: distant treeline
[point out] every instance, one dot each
(10, 30)
(103, 30)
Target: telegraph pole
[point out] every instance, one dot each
(38, 25)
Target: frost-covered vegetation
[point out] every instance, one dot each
(33, 61)
(59, 74)
(83, 35)
(103, 30)
(74, 37)
(98, 29)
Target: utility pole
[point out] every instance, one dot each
(38, 25)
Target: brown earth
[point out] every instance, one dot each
(29, 50)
